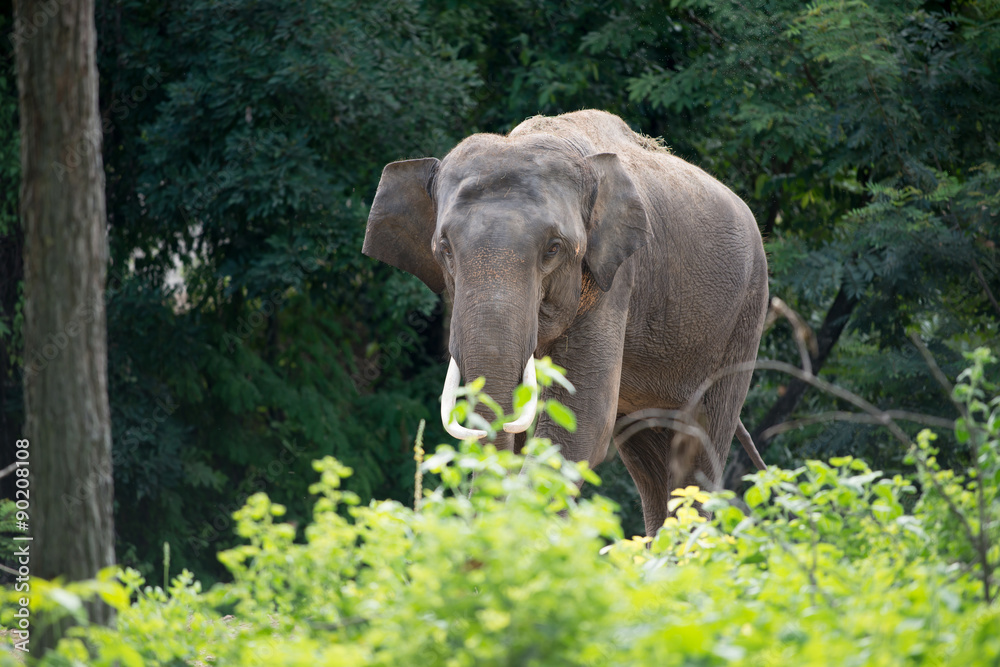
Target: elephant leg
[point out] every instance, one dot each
(595, 409)
(721, 405)
(591, 353)
(646, 456)
(661, 460)
(724, 400)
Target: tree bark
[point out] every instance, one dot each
(67, 419)
(827, 336)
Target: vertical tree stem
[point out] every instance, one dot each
(67, 419)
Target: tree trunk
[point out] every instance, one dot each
(827, 336)
(67, 420)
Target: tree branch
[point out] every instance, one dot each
(8, 470)
(985, 285)
(858, 417)
(981, 545)
(880, 416)
(827, 336)
(812, 82)
(702, 24)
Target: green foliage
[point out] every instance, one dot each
(243, 141)
(819, 565)
(11, 288)
(546, 57)
(963, 507)
(10, 147)
(839, 123)
(829, 569)
(8, 528)
(617, 484)
(248, 335)
(862, 135)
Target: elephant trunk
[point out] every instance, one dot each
(492, 336)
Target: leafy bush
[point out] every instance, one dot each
(8, 527)
(963, 511)
(503, 563)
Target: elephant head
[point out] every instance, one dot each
(510, 227)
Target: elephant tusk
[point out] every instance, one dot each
(522, 423)
(454, 429)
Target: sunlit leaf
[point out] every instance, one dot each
(561, 415)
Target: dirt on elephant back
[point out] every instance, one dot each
(653, 143)
(543, 123)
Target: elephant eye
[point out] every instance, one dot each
(553, 249)
(446, 247)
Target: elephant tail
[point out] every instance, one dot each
(748, 446)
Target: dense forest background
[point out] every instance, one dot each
(243, 141)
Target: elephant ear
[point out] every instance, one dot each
(402, 220)
(618, 222)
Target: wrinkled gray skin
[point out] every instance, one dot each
(577, 238)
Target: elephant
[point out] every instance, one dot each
(577, 238)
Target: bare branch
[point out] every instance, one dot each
(977, 541)
(677, 420)
(8, 470)
(857, 417)
(881, 417)
(981, 545)
(805, 338)
(920, 418)
(936, 372)
(694, 19)
(815, 85)
(985, 285)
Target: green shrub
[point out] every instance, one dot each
(8, 528)
(505, 564)
(962, 508)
